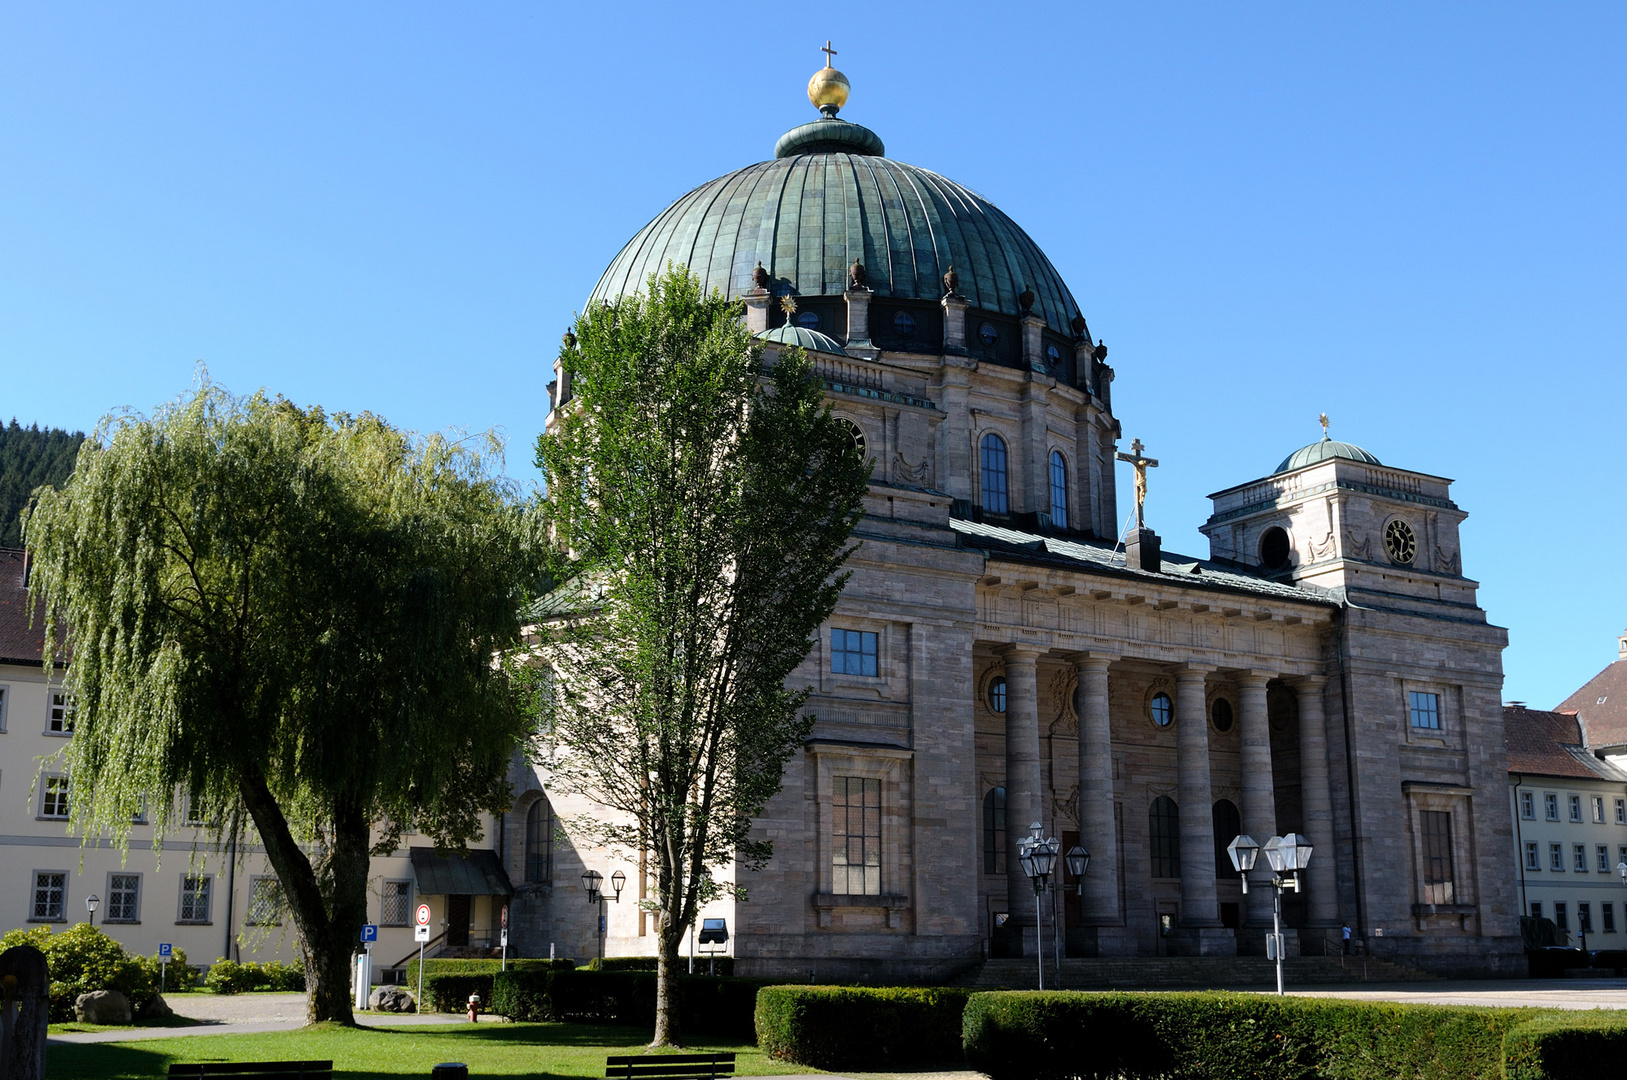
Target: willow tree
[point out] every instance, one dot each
(287, 620)
(706, 505)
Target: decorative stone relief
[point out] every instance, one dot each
(1324, 548)
(1064, 720)
(1361, 548)
(1447, 562)
(919, 475)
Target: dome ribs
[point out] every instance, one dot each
(878, 259)
(745, 227)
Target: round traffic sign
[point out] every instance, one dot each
(423, 914)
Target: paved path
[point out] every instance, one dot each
(244, 1014)
(1543, 993)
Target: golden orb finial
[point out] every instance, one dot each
(828, 88)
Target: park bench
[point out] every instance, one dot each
(256, 1070)
(670, 1066)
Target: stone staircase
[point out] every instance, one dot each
(1189, 973)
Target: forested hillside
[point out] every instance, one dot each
(30, 457)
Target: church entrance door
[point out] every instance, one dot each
(457, 920)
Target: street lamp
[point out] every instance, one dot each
(591, 880)
(92, 902)
(1037, 854)
(1078, 860)
(1287, 855)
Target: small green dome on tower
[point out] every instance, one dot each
(802, 337)
(1324, 449)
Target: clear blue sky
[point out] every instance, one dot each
(1410, 216)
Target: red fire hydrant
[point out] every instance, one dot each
(474, 1008)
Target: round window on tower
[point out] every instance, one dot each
(1053, 354)
(808, 320)
(1274, 548)
(1162, 710)
(987, 334)
(904, 324)
(1400, 544)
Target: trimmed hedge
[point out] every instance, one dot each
(448, 983)
(704, 965)
(1572, 1046)
(721, 1007)
(849, 1027)
(230, 977)
(1024, 1035)
(435, 967)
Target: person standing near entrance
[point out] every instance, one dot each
(1345, 933)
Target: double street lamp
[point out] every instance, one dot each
(1287, 856)
(1038, 855)
(591, 880)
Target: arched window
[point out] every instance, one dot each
(994, 831)
(994, 475)
(1164, 831)
(1228, 823)
(539, 842)
(997, 693)
(1059, 490)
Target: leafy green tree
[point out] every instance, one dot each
(29, 458)
(705, 507)
(290, 618)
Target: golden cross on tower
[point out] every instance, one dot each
(1323, 419)
(1140, 464)
(829, 52)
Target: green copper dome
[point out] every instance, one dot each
(832, 199)
(1325, 450)
(802, 337)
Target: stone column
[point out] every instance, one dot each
(1322, 883)
(858, 318)
(1034, 343)
(1023, 801)
(1259, 809)
(954, 323)
(1096, 830)
(1199, 907)
(757, 302)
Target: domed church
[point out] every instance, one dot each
(1017, 650)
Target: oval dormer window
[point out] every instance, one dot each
(987, 334)
(904, 324)
(808, 320)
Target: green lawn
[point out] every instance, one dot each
(562, 1050)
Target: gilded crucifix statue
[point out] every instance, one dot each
(1140, 464)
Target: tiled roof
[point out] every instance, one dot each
(1097, 556)
(1550, 744)
(1602, 705)
(19, 642)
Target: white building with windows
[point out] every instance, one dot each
(1569, 809)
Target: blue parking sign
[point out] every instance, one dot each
(166, 950)
(370, 932)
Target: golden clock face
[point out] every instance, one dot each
(1399, 542)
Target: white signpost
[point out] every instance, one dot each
(422, 934)
(364, 965)
(165, 951)
(505, 937)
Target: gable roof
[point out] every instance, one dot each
(1546, 743)
(19, 642)
(1601, 704)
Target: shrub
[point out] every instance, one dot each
(1046, 1036)
(721, 1007)
(476, 967)
(848, 1027)
(178, 974)
(286, 978)
(230, 977)
(1572, 1046)
(82, 959)
(704, 965)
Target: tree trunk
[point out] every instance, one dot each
(329, 926)
(668, 1025)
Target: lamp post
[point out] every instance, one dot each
(92, 902)
(1037, 854)
(1288, 855)
(591, 881)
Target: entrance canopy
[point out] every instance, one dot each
(479, 873)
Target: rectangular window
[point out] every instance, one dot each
(50, 896)
(1579, 858)
(1556, 857)
(1604, 858)
(1598, 809)
(1576, 808)
(1533, 857)
(1437, 826)
(1536, 909)
(194, 898)
(394, 904)
(1550, 806)
(265, 903)
(856, 847)
(1528, 805)
(1426, 710)
(1584, 917)
(1621, 811)
(1622, 852)
(123, 898)
(852, 652)
(1608, 910)
(54, 797)
(1561, 918)
(60, 721)
(5, 692)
